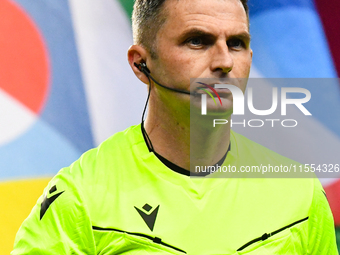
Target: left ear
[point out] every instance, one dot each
(137, 54)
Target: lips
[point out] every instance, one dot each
(211, 86)
(224, 91)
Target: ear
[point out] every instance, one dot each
(137, 54)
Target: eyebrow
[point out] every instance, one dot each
(198, 32)
(244, 35)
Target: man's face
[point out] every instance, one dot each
(202, 39)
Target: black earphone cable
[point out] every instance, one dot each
(163, 86)
(145, 134)
(143, 68)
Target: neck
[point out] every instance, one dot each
(172, 137)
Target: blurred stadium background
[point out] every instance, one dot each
(65, 86)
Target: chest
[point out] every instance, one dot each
(163, 218)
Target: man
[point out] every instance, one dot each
(133, 194)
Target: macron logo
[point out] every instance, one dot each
(148, 217)
(48, 201)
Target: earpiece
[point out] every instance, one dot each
(143, 68)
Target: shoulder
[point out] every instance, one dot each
(272, 176)
(100, 161)
(321, 223)
(245, 146)
(295, 195)
(268, 163)
(97, 170)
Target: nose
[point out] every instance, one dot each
(222, 60)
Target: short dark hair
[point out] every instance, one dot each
(148, 17)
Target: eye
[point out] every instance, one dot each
(235, 43)
(195, 41)
(199, 41)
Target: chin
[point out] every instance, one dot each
(220, 113)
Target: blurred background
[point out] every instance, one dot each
(65, 86)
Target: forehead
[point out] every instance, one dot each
(222, 15)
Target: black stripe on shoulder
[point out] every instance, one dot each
(266, 236)
(154, 239)
(47, 202)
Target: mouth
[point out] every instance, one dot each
(223, 92)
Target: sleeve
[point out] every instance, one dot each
(321, 224)
(58, 223)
